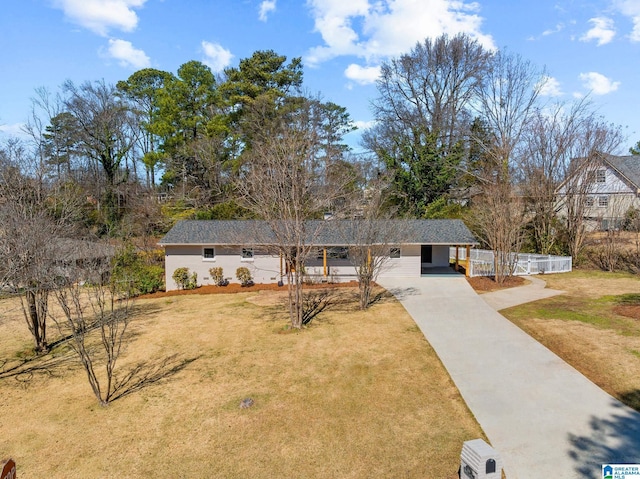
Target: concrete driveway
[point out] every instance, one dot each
(542, 416)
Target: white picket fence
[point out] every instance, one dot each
(482, 262)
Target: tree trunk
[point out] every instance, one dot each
(37, 303)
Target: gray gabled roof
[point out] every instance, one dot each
(628, 167)
(321, 233)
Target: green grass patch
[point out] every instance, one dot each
(630, 298)
(635, 353)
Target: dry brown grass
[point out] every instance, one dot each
(593, 283)
(585, 328)
(355, 395)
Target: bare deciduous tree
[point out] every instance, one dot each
(370, 236)
(595, 139)
(498, 218)
(29, 242)
(95, 308)
(507, 102)
(559, 148)
(423, 114)
(105, 132)
(284, 181)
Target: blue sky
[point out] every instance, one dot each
(588, 47)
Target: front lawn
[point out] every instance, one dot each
(355, 395)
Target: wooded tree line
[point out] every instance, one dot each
(185, 136)
(460, 125)
(459, 130)
(456, 125)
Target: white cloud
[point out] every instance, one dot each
(550, 87)
(364, 125)
(127, 55)
(266, 7)
(13, 130)
(100, 16)
(362, 75)
(598, 84)
(375, 30)
(557, 29)
(602, 31)
(216, 56)
(631, 9)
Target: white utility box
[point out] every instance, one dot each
(479, 460)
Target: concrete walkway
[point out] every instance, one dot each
(541, 415)
(506, 298)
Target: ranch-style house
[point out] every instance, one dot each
(413, 247)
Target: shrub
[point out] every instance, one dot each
(217, 275)
(184, 280)
(244, 276)
(136, 272)
(193, 281)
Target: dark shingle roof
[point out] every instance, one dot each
(326, 233)
(628, 167)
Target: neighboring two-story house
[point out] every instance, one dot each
(609, 189)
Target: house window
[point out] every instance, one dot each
(209, 253)
(338, 252)
(588, 201)
(394, 253)
(601, 176)
(603, 201)
(247, 253)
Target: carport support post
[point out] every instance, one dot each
(457, 259)
(467, 271)
(324, 262)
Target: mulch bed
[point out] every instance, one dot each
(481, 284)
(237, 288)
(486, 284)
(628, 310)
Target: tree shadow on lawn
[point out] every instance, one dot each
(149, 372)
(25, 369)
(139, 376)
(316, 301)
(613, 440)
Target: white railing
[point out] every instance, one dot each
(481, 262)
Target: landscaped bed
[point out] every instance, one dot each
(486, 284)
(354, 395)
